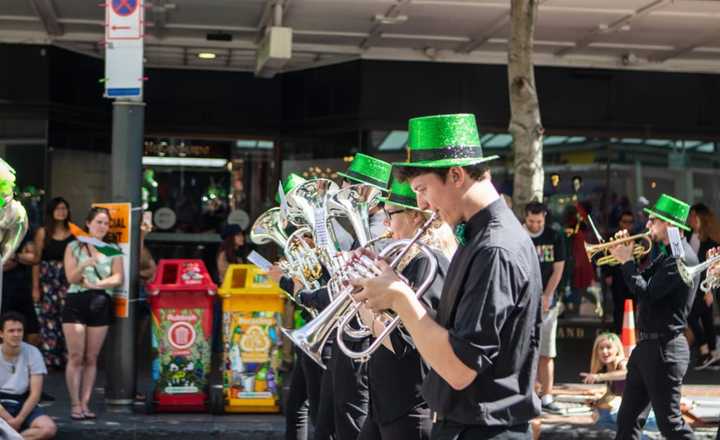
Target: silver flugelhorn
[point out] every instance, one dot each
(711, 281)
(396, 250)
(312, 336)
(688, 273)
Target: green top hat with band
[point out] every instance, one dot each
(291, 182)
(443, 141)
(401, 194)
(367, 169)
(671, 210)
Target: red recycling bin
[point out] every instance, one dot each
(181, 301)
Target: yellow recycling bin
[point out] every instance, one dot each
(252, 310)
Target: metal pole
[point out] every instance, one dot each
(127, 150)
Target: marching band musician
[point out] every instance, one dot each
(395, 371)
(304, 394)
(483, 345)
(344, 392)
(659, 362)
(347, 382)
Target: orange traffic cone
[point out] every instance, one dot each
(628, 329)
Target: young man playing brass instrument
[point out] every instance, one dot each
(483, 345)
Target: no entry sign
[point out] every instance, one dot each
(124, 19)
(124, 48)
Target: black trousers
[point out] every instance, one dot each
(350, 392)
(446, 430)
(313, 379)
(700, 321)
(655, 373)
(415, 425)
(325, 425)
(303, 397)
(297, 406)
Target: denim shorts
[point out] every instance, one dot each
(14, 409)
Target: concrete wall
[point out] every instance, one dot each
(81, 177)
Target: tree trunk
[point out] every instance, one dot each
(525, 124)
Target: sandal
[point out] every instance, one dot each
(77, 415)
(89, 415)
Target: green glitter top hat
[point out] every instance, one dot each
(7, 183)
(401, 194)
(291, 182)
(367, 169)
(443, 141)
(671, 210)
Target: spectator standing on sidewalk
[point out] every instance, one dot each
(551, 254)
(49, 282)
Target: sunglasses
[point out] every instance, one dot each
(389, 214)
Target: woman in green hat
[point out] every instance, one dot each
(482, 346)
(395, 370)
(660, 360)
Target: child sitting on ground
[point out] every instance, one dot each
(608, 364)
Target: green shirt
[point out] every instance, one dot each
(93, 274)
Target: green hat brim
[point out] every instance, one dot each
(667, 219)
(387, 201)
(357, 180)
(446, 163)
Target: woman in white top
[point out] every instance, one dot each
(92, 271)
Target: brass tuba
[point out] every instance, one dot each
(309, 203)
(355, 203)
(269, 228)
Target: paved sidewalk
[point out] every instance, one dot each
(123, 424)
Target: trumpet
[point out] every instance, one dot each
(398, 250)
(688, 273)
(593, 250)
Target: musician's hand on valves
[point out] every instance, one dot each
(622, 252)
(382, 292)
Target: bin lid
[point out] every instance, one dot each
(181, 275)
(247, 279)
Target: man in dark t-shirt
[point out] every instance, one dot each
(551, 255)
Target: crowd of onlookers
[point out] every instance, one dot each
(56, 311)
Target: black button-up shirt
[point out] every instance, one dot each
(663, 298)
(491, 307)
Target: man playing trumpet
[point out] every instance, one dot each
(659, 362)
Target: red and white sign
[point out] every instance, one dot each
(181, 335)
(124, 20)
